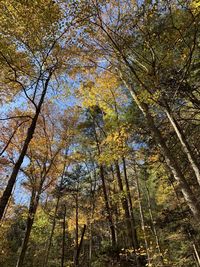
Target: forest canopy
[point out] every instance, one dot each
(100, 133)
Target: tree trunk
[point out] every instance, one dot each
(196, 254)
(107, 204)
(90, 246)
(79, 247)
(131, 232)
(109, 215)
(133, 225)
(8, 190)
(55, 213)
(142, 220)
(185, 145)
(92, 205)
(192, 239)
(31, 215)
(52, 233)
(154, 228)
(77, 230)
(63, 238)
(115, 206)
(7, 207)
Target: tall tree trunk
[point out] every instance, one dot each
(192, 239)
(55, 213)
(79, 247)
(108, 210)
(196, 254)
(107, 204)
(8, 190)
(158, 246)
(52, 233)
(63, 238)
(90, 246)
(115, 206)
(131, 232)
(129, 222)
(142, 219)
(31, 215)
(7, 207)
(77, 223)
(92, 205)
(185, 145)
(133, 225)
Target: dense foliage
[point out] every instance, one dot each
(99, 143)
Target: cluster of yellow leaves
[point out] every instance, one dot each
(81, 221)
(29, 21)
(103, 92)
(26, 27)
(195, 5)
(114, 146)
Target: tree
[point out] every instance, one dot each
(42, 53)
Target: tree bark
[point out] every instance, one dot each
(109, 215)
(158, 246)
(196, 254)
(63, 238)
(185, 145)
(77, 223)
(192, 239)
(107, 204)
(90, 246)
(31, 215)
(79, 247)
(131, 231)
(142, 220)
(55, 213)
(52, 233)
(133, 225)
